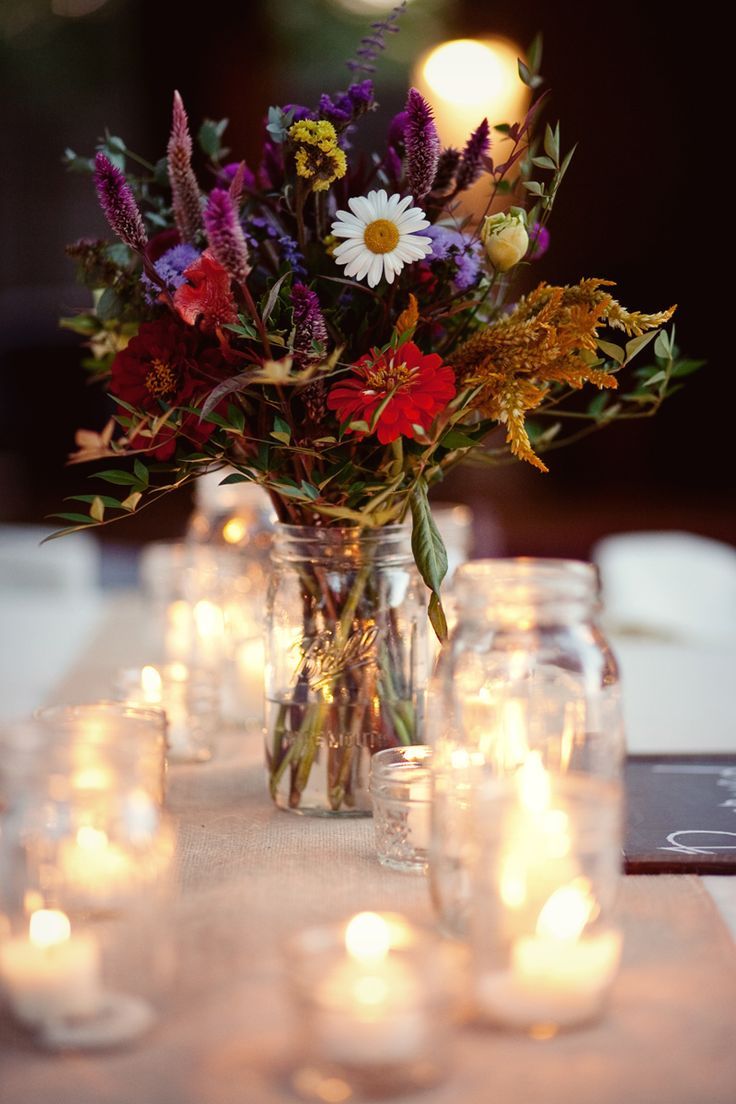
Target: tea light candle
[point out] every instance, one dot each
(51, 974)
(557, 976)
(188, 696)
(94, 867)
(369, 1008)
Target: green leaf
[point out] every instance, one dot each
(209, 138)
(281, 430)
(534, 187)
(524, 75)
(309, 490)
(78, 519)
(429, 553)
(687, 367)
(109, 306)
(552, 143)
(544, 163)
(141, 472)
(106, 500)
(457, 440)
(272, 297)
(615, 352)
(121, 478)
(236, 477)
(663, 345)
(637, 344)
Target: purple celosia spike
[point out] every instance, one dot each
(236, 185)
(309, 325)
(184, 187)
(446, 169)
(422, 145)
(225, 235)
(118, 204)
(471, 165)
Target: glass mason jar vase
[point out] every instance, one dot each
(346, 662)
(526, 670)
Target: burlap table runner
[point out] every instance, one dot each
(249, 876)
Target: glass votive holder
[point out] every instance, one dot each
(545, 944)
(85, 947)
(108, 745)
(190, 698)
(373, 1005)
(454, 771)
(401, 790)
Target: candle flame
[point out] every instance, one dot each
(512, 883)
(367, 937)
(151, 685)
(48, 927)
(91, 839)
(566, 913)
(209, 619)
(534, 785)
(234, 529)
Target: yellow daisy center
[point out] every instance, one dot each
(381, 236)
(160, 379)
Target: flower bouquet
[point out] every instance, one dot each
(335, 327)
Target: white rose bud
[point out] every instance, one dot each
(505, 238)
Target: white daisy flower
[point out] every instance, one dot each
(381, 236)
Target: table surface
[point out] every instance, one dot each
(249, 876)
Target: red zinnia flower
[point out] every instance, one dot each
(161, 368)
(418, 387)
(207, 294)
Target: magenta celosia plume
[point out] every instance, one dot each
(184, 188)
(309, 325)
(118, 204)
(422, 145)
(225, 235)
(471, 163)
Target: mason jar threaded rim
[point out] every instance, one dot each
(389, 545)
(527, 583)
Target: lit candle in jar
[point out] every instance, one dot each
(98, 871)
(368, 1009)
(559, 975)
(51, 974)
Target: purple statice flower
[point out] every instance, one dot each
(297, 112)
(261, 223)
(271, 169)
(292, 256)
(225, 235)
(446, 169)
(471, 163)
(347, 106)
(422, 145)
(171, 267)
(538, 241)
(118, 204)
(397, 129)
(462, 252)
(184, 188)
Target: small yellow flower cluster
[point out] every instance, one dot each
(318, 158)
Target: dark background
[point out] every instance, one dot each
(636, 84)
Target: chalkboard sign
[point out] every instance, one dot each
(681, 814)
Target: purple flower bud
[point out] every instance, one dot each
(225, 235)
(228, 172)
(397, 129)
(471, 164)
(118, 204)
(446, 169)
(184, 187)
(422, 145)
(538, 241)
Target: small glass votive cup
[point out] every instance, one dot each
(108, 745)
(401, 790)
(190, 698)
(544, 871)
(374, 1008)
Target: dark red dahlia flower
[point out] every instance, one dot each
(162, 368)
(417, 387)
